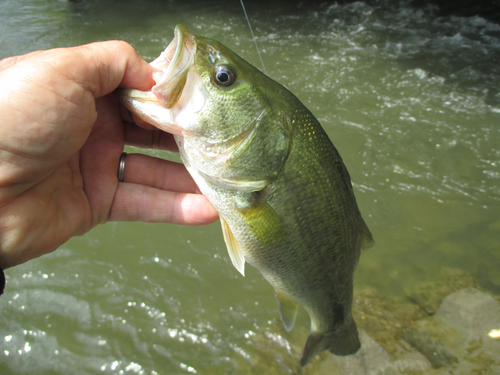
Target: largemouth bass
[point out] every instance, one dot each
(283, 194)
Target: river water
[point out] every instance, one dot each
(411, 100)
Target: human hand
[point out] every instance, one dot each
(61, 136)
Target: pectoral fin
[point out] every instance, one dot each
(233, 248)
(288, 311)
(261, 220)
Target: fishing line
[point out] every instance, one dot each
(253, 36)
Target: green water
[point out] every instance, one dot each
(411, 101)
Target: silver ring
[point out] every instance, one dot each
(121, 166)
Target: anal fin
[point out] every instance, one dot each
(233, 248)
(288, 311)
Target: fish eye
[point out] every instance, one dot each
(223, 76)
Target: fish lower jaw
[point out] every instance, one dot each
(131, 95)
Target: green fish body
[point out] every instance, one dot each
(282, 191)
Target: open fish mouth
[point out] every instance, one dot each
(156, 106)
(173, 65)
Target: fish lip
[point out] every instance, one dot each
(170, 54)
(172, 67)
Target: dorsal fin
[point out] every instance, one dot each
(368, 240)
(233, 248)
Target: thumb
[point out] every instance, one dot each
(112, 64)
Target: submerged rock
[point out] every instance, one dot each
(428, 296)
(427, 337)
(373, 359)
(458, 337)
(471, 311)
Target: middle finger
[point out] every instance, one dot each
(158, 173)
(144, 138)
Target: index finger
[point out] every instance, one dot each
(98, 67)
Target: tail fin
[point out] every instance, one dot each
(340, 344)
